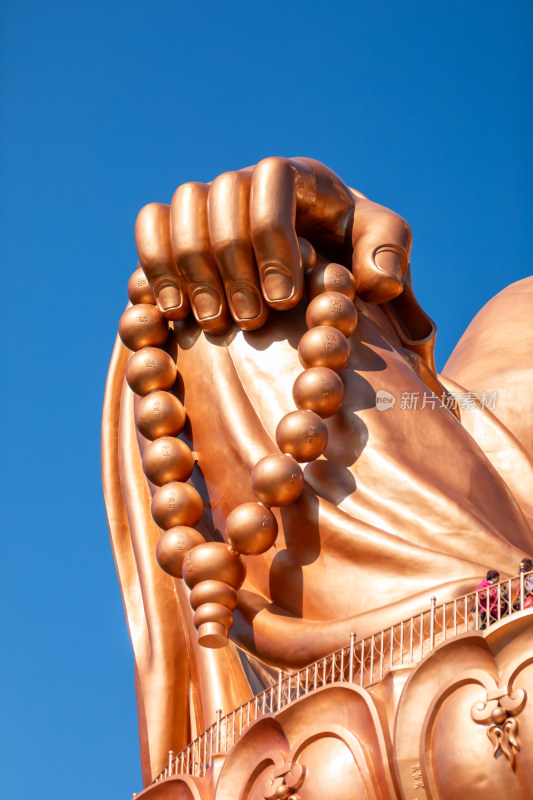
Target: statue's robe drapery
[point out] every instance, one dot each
(406, 503)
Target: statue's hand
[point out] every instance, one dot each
(233, 244)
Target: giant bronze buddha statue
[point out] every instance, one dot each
(282, 378)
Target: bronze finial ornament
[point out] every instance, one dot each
(278, 531)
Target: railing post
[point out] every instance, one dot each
(170, 760)
(219, 715)
(352, 642)
(521, 595)
(280, 678)
(432, 623)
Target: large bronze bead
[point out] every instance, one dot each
(324, 347)
(167, 459)
(277, 480)
(214, 592)
(143, 326)
(332, 308)
(176, 504)
(159, 414)
(302, 434)
(320, 390)
(251, 529)
(213, 561)
(150, 369)
(331, 278)
(139, 290)
(174, 545)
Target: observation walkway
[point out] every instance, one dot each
(362, 662)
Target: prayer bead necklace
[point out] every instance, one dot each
(214, 571)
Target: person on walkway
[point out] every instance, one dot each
(526, 566)
(488, 599)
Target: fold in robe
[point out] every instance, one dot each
(404, 504)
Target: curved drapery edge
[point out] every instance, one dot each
(158, 613)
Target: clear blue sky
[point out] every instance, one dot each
(425, 107)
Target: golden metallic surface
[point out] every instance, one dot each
(381, 243)
(320, 390)
(159, 414)
(213, 561)
(150, 369)
(139, 290)
(213, 612)
(143, 325)
(251, 529)
(213, 592)
(145, 592)
(213, 635)
(277, 480)
(308, 253)
(233, 243)
(416, 331)
(330, 278)
(324, 347)
(499, 715)
(167, 459)
(230, 238)
(164, 642)
(407, 503)
(176, 504)
(174, 545)
(154, 246)
(302, 434)
(497, 339)
(332, 308)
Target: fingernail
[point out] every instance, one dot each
(245, 303)
(390, 262)
(277, 284)
(169, 297)
(206, 304)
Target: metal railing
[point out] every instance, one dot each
(362, 662)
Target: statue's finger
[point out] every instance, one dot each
(272, 218)
(289, 196)
(152, 238)
(229, 229)
(381, 251)
(193, 254)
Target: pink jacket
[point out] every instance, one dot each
(493, 596)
